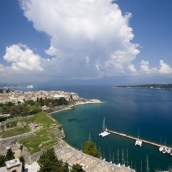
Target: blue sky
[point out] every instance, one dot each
(86, 41)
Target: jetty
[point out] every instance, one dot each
(135, 138)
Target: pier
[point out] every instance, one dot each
(135, 138)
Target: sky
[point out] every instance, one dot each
(86, 41)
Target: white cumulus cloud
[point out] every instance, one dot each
(22, 59)
(22, 64)
(89, 38)
(144, 66)
(164, 68)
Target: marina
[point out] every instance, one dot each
(138, 142)
(125, 116)
(162, 148)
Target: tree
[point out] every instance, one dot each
(18, 102)
(48, 162)
(77, 168)
(2, 160)
(9, 155)
(23, 162)
(90, 149)
(8, 90)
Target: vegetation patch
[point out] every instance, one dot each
(11, 124)
(43, 138)
(14, 132)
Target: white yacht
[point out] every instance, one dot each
(30, 86)
(171, 153)
(104, 130)
(168, 150)
(138, 141)
(104, 133)
(161, 148)
(164, 150)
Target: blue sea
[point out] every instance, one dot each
(126, 110)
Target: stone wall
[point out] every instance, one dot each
(2, 126)
(4, 142)
(29, 159)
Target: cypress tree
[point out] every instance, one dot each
(90, 149)
(77, 168)
(9, 155)
(49, 163)
(2, 160)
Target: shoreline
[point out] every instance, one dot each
(91, 101)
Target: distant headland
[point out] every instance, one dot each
(151, 86)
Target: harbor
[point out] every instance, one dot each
(125, 120)
(143, 140)
(138, 142)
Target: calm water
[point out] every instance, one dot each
(125, 110)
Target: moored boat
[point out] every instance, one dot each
(138, 142)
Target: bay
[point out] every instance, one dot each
(125, 110)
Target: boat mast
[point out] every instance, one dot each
(147, 164)
(110, 159)
(138, 134)
(123, 161)
(103, 127)
(141, 167)
(103, 155)
(127, 157)
(117, 157)
(89, 137)
(99, 150)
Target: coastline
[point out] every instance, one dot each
(69, 107)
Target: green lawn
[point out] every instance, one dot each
(42, 138)
(14, 131)
(11, 124)
(40, 118)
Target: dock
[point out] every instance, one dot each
(135, 138)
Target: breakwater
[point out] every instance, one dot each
(135, 138)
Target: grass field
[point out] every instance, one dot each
(42, 140)
(43, 137)
(14, 131)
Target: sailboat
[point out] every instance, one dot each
(163, 149)
(104, 130)
(138, 141)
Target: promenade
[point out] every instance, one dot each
(89, 163)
